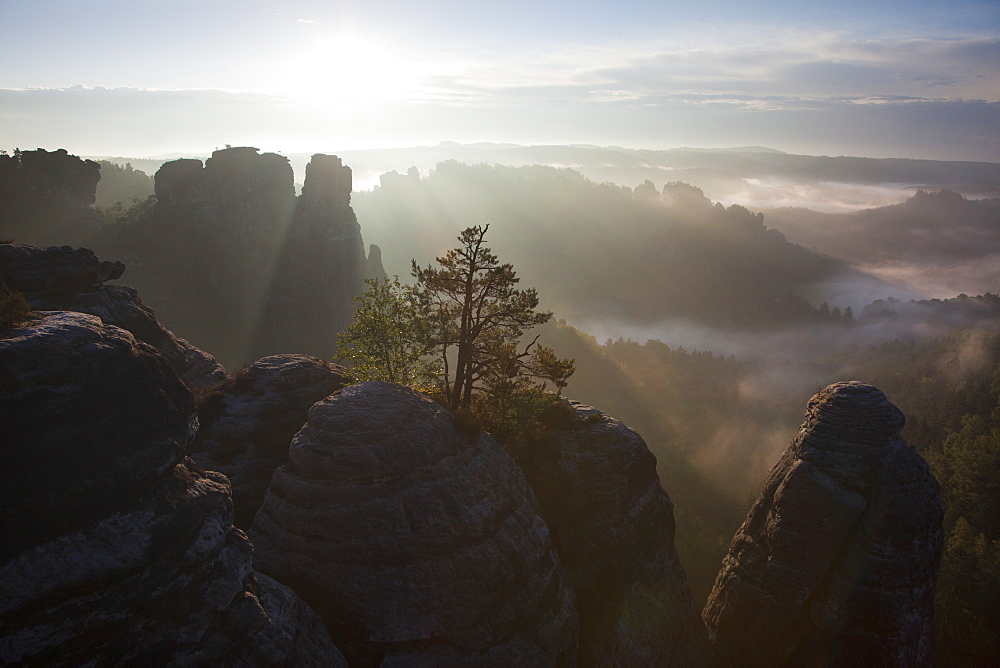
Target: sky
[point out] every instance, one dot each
(917, 79)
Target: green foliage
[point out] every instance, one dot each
(387, 340)
(473, 309)
(968, 595)
(140, 211)
(967, 604)
(14, 309)
(646, 258)
(122, 184)
(522, 418)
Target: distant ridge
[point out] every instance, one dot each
(734, 149)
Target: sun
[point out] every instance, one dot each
(348, 68)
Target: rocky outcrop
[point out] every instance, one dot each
(209, 251)
(54, 272)
(247, 424)
(837, 560)
(44, 197)
(54, 176)
(63, 278)
(239, 264)
(417, 544)
(115, 548)
(320, 268)
(613, 526)
(375, 269)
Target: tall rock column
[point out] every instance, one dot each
(320, 269)
(836, 562)
(206, 259)
(613, 525)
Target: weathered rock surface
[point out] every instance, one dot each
(613, 526)
(115, 548)
(247, 425)
(416, 544)
(64, 278)
(837, 560)
(57, 271)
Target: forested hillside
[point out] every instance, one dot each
(600, 251)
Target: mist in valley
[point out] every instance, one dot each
(724, 208)
(703, 322)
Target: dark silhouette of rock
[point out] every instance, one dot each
(418, 545)
(44, 197)
(613, 526)
(63, 278)
(836, 562)
(55, 271)
(235, 210)
(56, 176)
(375, 268)
(115, 547)
(320, 268)
(273, 273)
(247, 424)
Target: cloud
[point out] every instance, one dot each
(135, 121)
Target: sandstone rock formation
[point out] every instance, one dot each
(613, 526)
(239, 264)
(55, 175)
(115, 548)
(209, 251)
(320, 268)
(63, 278)
(836, 562)
(44, 197)
(248, 423)
(416, 544)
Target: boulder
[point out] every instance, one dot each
(64, 278)
(115, 547)
(417, 544)
(837, 560)
(613, 526)
(248, 423)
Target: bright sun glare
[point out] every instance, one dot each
(348, 69)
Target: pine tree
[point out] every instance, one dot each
(477, 317)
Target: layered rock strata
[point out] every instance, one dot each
(613, 526)
(115, 547)
(837, 560)
(417, 544)
(64, 278)
(248, 423)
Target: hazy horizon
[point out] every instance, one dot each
(904, 79)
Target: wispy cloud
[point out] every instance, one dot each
(798, 67)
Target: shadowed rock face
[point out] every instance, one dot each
(64, 278)
(44, 197)
(837, 560)
(54, 175)
(613, 526)
(247, 424)
(416, 544)
(320, 268)
(115, 548)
